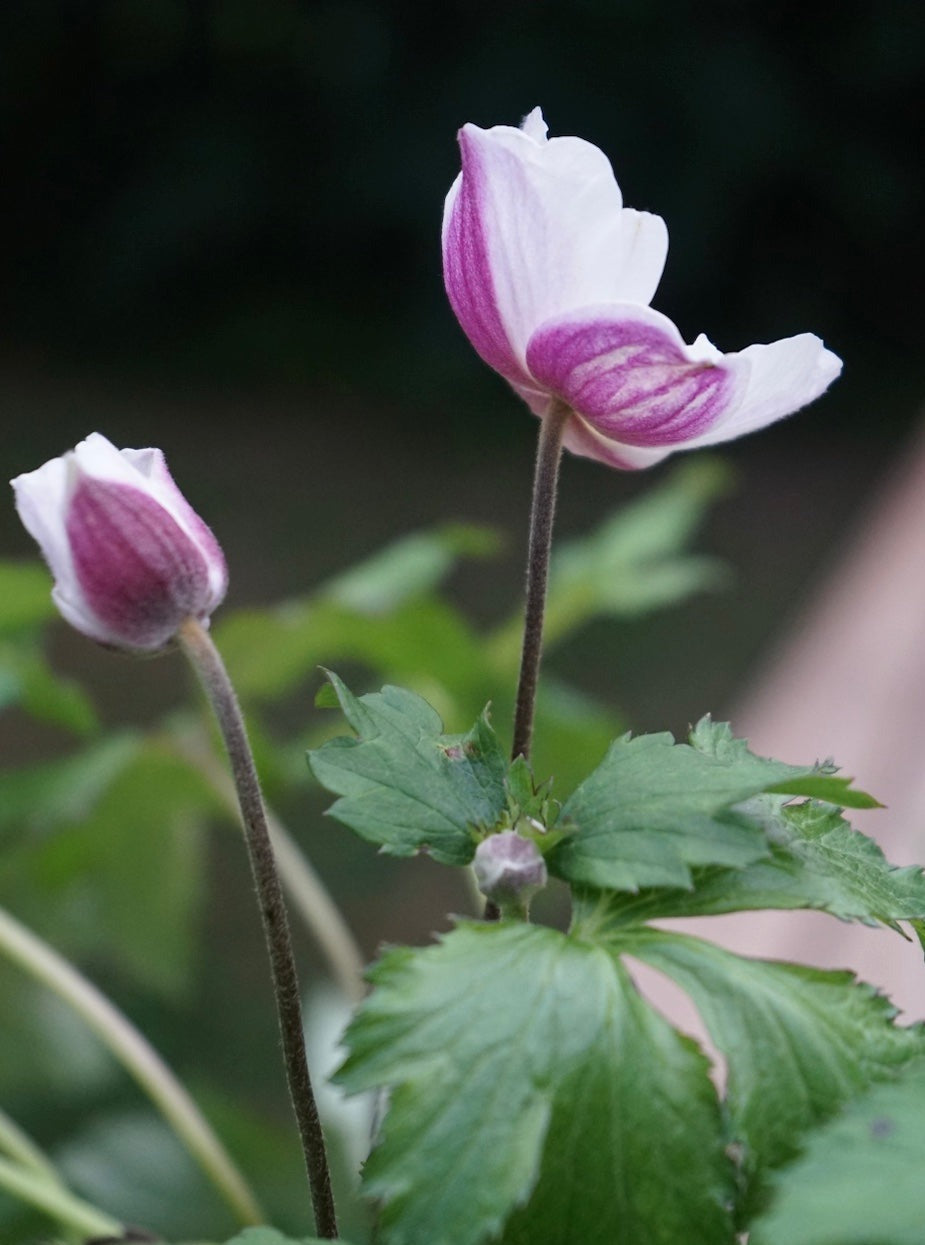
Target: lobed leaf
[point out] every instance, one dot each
(531, 1085)
(406, 785)
(817, 860)
(653, 809)
(798, 1042)
(859, 1179)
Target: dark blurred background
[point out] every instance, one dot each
(220, 230)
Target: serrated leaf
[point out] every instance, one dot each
(817, 860)
(406, 785)
(799, 1042)
(832, 788)
(516, 1054)
(860, 1178)
(654, 808)
(819, 782)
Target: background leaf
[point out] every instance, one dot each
(25, 595)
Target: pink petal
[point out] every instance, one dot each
(627, 373)
(139, 574)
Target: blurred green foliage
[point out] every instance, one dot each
(106, 853)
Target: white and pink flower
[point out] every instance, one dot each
(551, 279)
(130, 557)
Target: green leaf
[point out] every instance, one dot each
(42, 797)
(25, 596)
(654, 808)
(409, 567)
(269, 651)
(46, 695)
(269, 1236)
(799, 1042)
(403, 783)
(530, 1083)
(112, 858)
(817, 861)
(859, 1180)
(819, 781)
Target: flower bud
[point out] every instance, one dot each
(509, 869)
(130, 558)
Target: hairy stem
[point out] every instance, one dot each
(137, 1056)
(54, 1200)
(205, 659)
(542, 514)
(307, 893)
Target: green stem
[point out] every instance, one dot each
(20, 1147)
(542, 514)
(306, 890)
(206, 661)
(54, 1200)
(138, 1057)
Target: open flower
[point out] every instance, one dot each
(551, 277)
(130, 557)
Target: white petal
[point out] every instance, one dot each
(74, 610)
(783, 377)
(534, 126)
(554, 229)
(97, 457)
(41, 501)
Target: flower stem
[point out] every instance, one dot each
(206, 661)
(135, 1053)
(57, 1202)
(545, 480)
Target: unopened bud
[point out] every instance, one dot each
(130, 557)
(509, 869)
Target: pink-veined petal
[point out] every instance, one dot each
(130, 558)
(628, 373)
(581, 439)
(534, 228)
(139, 573)
(152, 465)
